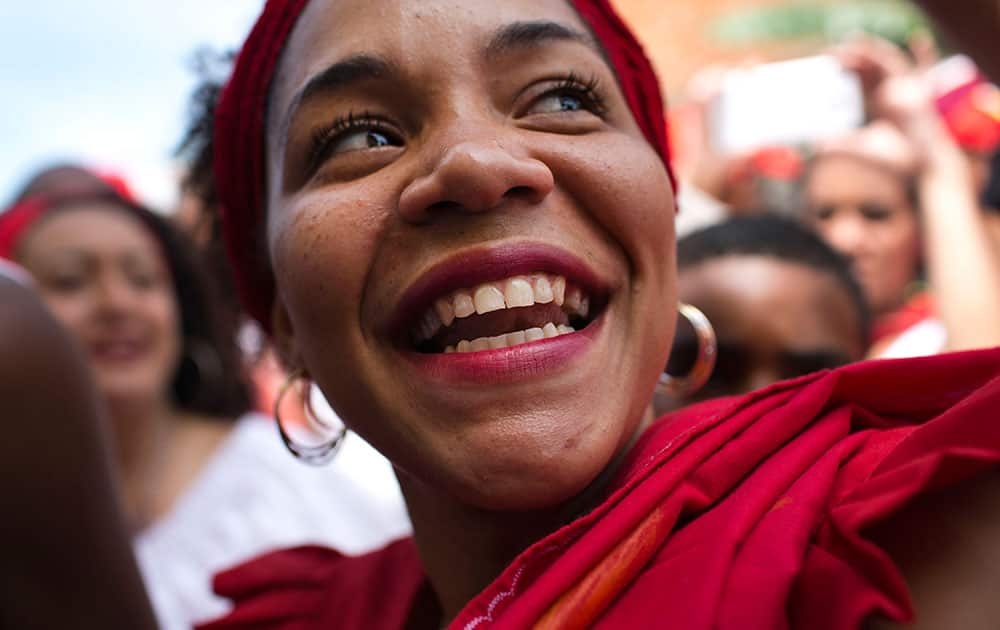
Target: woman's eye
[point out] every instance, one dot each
(360, 139)
(554, 103)
(823, 213)
(569, 95)
(65, 284)
(875, 212)
(351, 135)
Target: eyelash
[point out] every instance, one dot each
(324, 136)
(587, 90)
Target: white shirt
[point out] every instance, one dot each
(253, 497)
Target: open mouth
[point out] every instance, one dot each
(506, 313)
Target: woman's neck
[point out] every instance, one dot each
(160, 451)
(141, 429)
(463, 549)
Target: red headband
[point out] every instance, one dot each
(240, 127)
(16, 220)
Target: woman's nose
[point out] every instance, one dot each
(114, 296)
(475, 176)
(846, 234)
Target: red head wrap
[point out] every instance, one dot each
(16, 220)
(240, 128)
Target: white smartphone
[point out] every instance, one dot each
(785, 103)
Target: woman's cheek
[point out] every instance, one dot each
(322, 253)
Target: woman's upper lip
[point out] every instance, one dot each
(471, 267)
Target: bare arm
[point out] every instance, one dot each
(961, 257)
(67, 555)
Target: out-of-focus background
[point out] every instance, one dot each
(106, 82)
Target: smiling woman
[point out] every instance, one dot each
(456, 218)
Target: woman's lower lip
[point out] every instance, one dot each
(507, 365)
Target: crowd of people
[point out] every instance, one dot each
(444, 335)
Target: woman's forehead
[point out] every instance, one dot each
(411, 32)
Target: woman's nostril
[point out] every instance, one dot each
(443, 205)
(520, 191)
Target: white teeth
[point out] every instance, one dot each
(480, 344)
(488, 298)
(463, 304)
(559, 290)
(543, 290)
(514, 292)
(516, 338)
(445, 311)
(518, 293)
(534, 334)
(510, 340)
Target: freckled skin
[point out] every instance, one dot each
(371, 227)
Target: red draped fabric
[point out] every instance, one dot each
(741, 514)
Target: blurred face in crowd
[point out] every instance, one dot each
(101, 273)
(865, 212)
(774, 320)
(472, 241)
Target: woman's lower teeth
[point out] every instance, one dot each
(509, 340)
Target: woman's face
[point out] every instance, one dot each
(435, 158)
(864, 212)
(775, 319)
(101, 273)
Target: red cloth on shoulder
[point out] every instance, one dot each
(738, 514)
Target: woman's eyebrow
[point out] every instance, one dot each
(521, 35)
(338, 76)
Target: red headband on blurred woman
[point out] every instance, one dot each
(240, 126)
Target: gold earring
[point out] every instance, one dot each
(697, 376)
(314, 455)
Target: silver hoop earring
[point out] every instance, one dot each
(314, 455)
(698, 375)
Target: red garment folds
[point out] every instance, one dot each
(738, 514)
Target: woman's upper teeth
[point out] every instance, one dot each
(514, 292)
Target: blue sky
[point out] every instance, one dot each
(105, 82)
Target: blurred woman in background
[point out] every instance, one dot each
(781, 302)
(204, 483)
(899, 199)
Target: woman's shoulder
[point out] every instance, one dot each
(318, 587)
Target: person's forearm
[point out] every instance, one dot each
(963, 264)
(974, 25)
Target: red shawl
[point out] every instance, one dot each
(738, 514)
